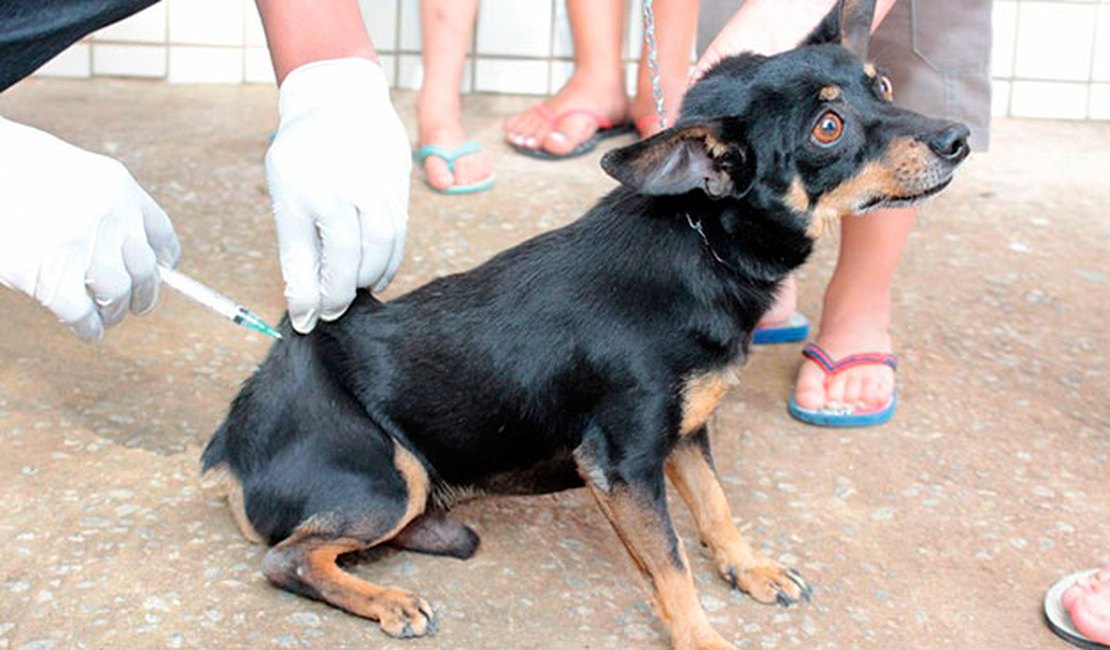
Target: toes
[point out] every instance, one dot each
(773, 583)
(406, 615)
(834, 395)
(877, 392)
(573, 131)
(853, 390)
(810, 390)
(473, 168)
(526, 130)
(439, 175)
(800, 582)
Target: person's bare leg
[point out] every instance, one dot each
(856, 313)
(446, 27)
(597, 27)
(676, 27)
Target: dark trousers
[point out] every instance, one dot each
(34, 31)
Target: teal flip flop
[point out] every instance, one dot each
(449, 157)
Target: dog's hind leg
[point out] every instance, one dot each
(690, 468)
(305, 562)
(435, 534)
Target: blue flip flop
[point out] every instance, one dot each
(846, 416)
(796, 328)
(449, 157)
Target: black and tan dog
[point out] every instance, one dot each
(591, 355)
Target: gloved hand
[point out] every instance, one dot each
(338, 171)
(77, 232)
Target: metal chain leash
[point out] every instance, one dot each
(653, 62)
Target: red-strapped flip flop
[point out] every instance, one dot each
(605, 129)
(846, 416)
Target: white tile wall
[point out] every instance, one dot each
(206, 22)
(76, 62)
(514, 28)
(1003, 38)
(408, 26)
(1101, 62)
(147, 26)
(256, 65)
(1051, 58)
(1100, 102)
(1054, 41)
(205, 64)
(381, 21)
(1051, 99)
(1000, 98)
(527, 76)
(132, 60)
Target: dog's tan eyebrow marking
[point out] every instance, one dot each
(796, 197)
(829, 93)
(869, 70)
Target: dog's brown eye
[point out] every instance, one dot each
(886, 88)
(829, 129)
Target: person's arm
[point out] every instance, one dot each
(772, 26)
(338, 168)
(304, 31)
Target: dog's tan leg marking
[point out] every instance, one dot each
(305, 563)
(764, 579)
(400, 613)
(647, 536)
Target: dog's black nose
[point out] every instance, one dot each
(951, 143)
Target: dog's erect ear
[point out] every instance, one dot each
(848, 24)
(680, 159)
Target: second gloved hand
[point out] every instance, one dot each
(338, 171)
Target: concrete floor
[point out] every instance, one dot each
(940, 530)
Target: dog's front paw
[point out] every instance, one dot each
(768, 582)
(404, 614)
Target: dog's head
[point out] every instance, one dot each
(810, 132)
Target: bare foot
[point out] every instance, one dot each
(440, 125)
(1088, 604)
(786, 302)
(602, 94)
(852, 322)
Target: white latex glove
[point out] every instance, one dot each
(338, 171)
(77, 232)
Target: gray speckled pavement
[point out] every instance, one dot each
(939, 530)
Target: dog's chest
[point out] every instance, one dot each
(703, 392)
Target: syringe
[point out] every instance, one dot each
(215, 301)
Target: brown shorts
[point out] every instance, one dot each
(937, 53)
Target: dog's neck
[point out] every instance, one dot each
(756, 239)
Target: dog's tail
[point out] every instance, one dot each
(216, 451)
